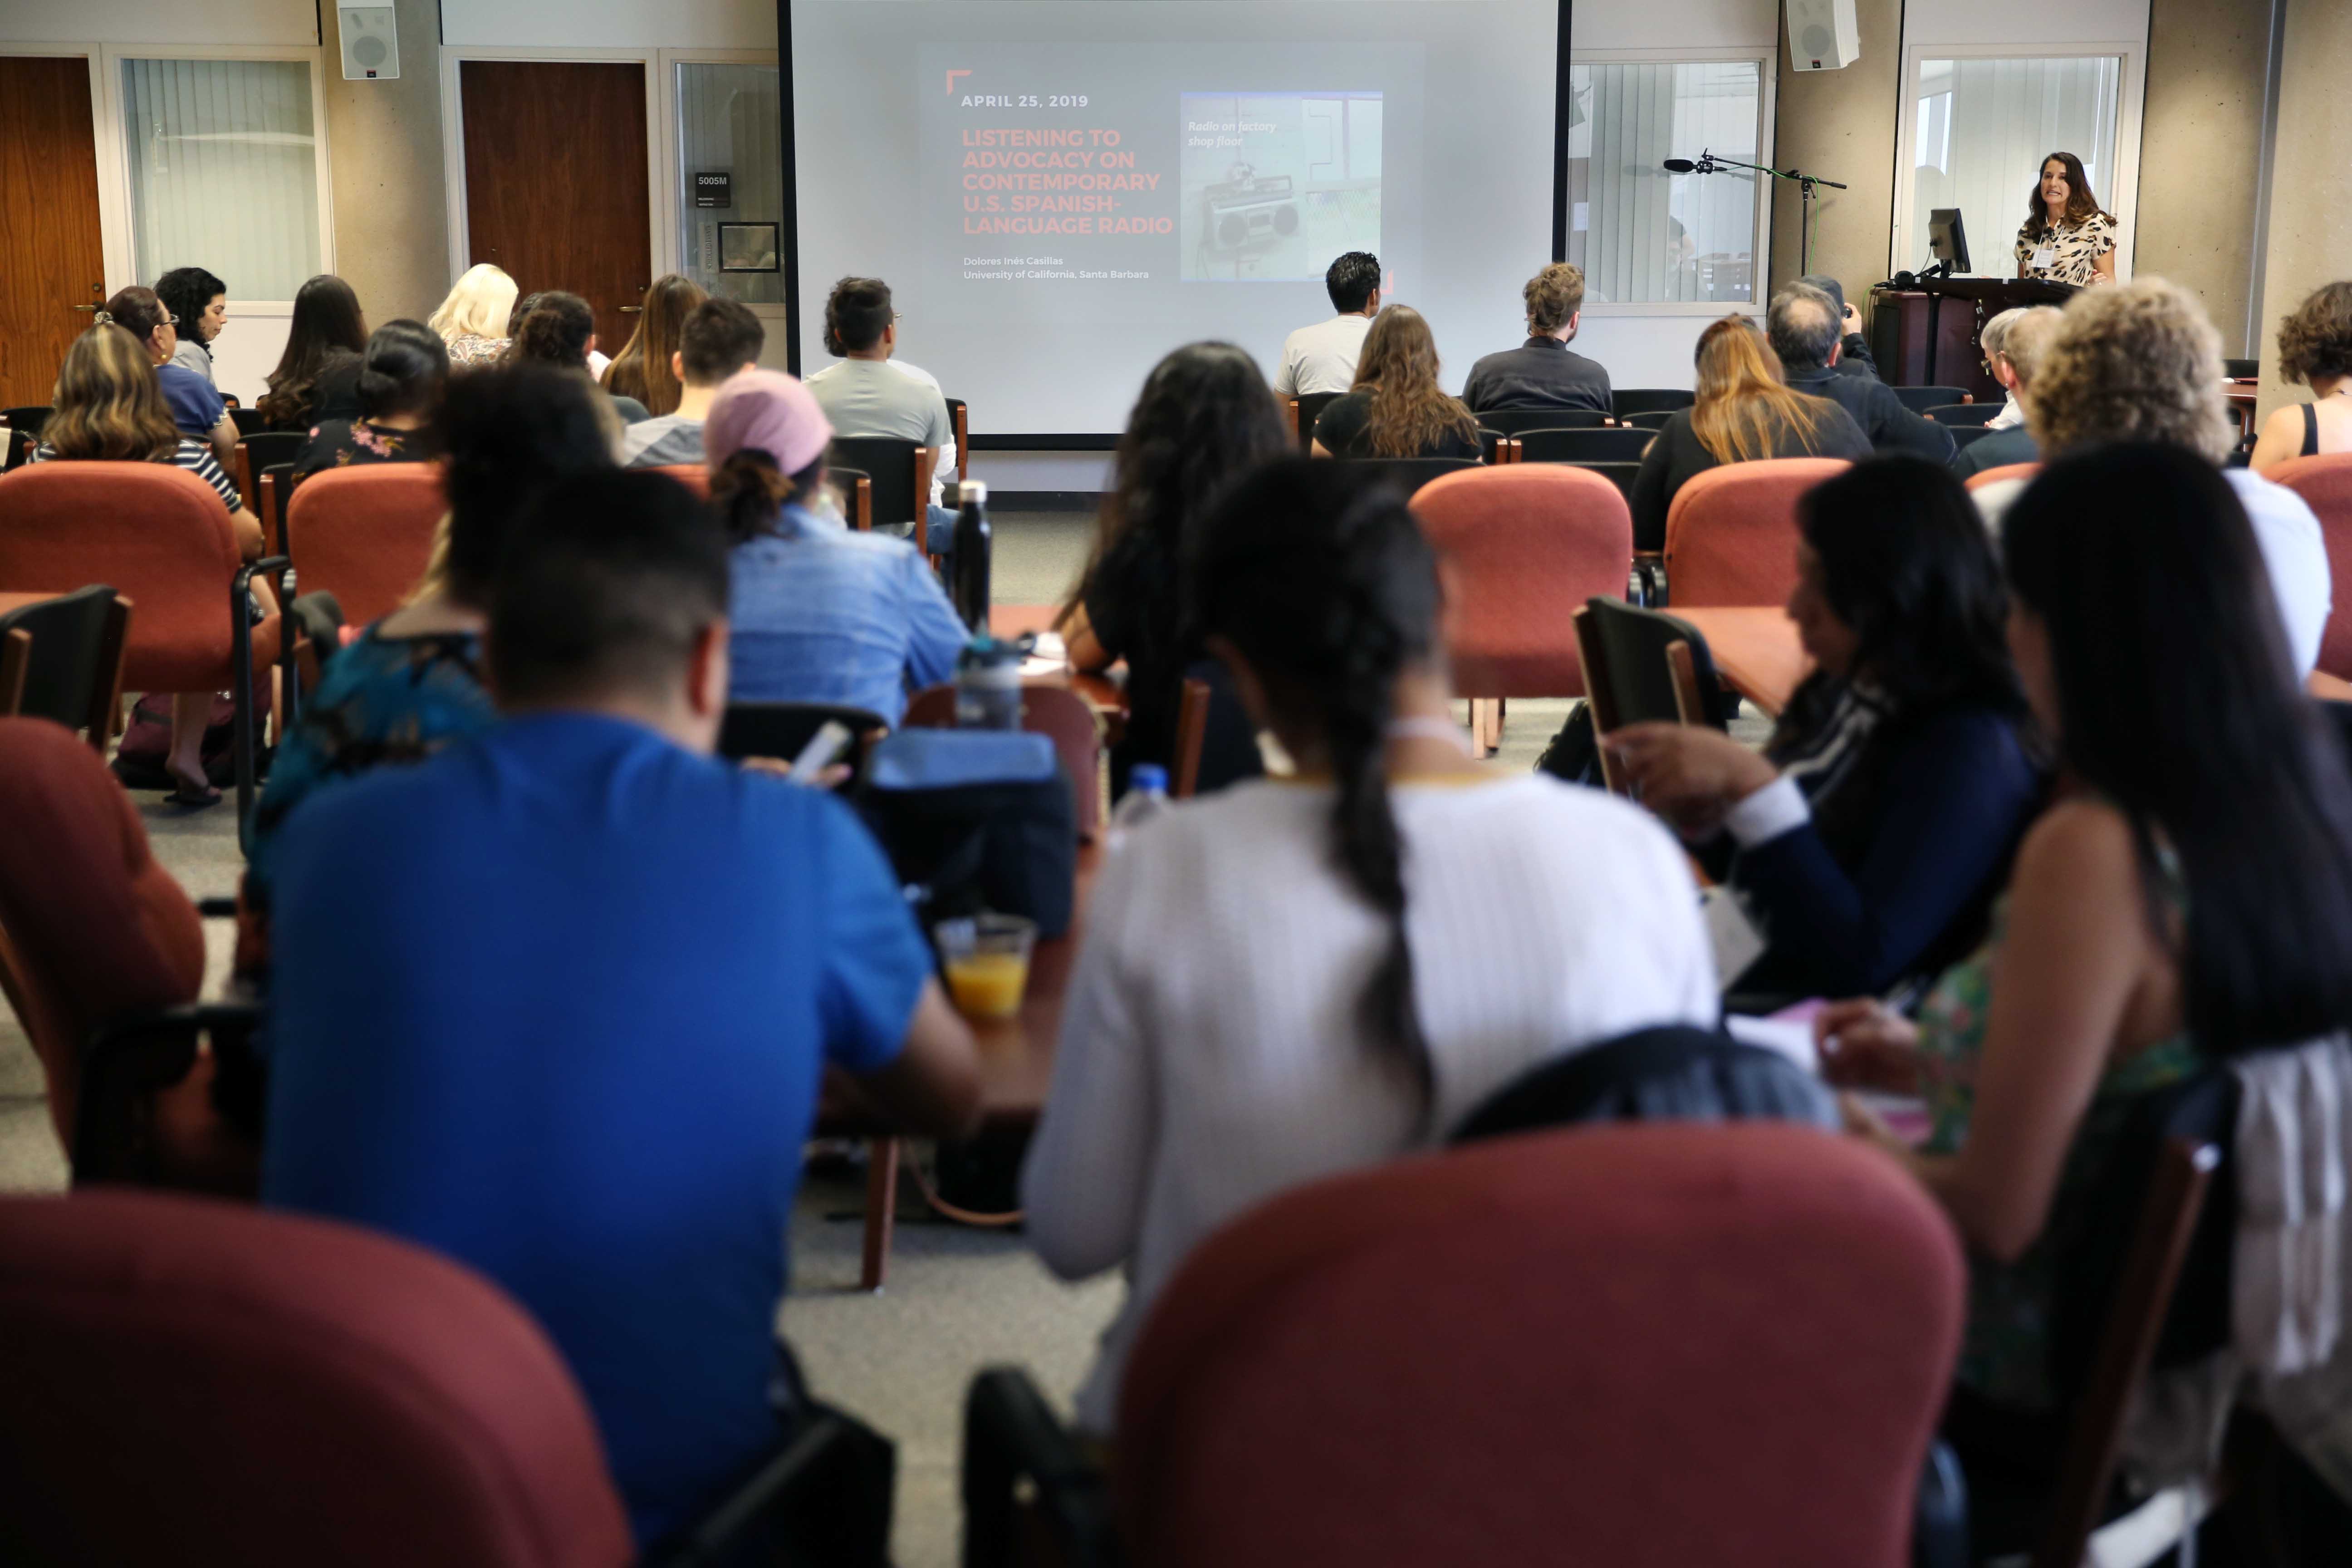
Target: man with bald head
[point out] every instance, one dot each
(1803, 327)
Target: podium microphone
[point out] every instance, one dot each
(1680, 166)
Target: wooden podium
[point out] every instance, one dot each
(1926, 335)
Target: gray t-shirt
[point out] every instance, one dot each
(193, 356)
(664, 441)
(883, 397)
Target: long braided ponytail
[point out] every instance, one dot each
(1321, 579)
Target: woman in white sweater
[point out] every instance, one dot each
(1295, 977)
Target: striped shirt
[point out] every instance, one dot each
(194, 456)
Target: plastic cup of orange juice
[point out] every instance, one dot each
(987, 961)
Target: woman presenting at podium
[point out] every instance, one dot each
(2065, 238)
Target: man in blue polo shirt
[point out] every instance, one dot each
(557, 1000)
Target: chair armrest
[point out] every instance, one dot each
(127, 1061)
(823, 1497)
(1011, 1435)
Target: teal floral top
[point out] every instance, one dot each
(2004, 1354)
(380, 701)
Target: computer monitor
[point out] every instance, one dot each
(1947, 241)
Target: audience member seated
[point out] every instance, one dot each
(820, 612)
(1396, 408)
(644, 368)
(1258, 1003)
(2188, 897)
(1854, 350)
(1742, 412)
(1543, 372)
(2139, 362)
(556, 1001)
(1322, 358)
(412, 683)
(2314, 348)
(1867, 840)
(400, 390)
(199, 304)
(2014, 342)
(318, 376)
(718, 338)
(473, 320)
(1205, 420)
(872, 393)
(1803, 328)
(109, 408)
(559, 328)
(195, 406)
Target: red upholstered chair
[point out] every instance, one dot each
(693, 476)
(2325, 485)
(90, 927)
(1658, 1345)
(199, 1384)
(160, 538)
(365, 534)
(1731, 532)
(1978, 480)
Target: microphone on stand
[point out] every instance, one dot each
(1681, 167)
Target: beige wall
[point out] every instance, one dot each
(2311, 179)
(392, 227)
(2200, 154)
(1841, 124)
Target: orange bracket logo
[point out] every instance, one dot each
(951, 78)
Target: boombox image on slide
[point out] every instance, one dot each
(1273, 185)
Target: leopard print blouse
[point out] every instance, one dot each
(2075, 247)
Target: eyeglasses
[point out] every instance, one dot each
(169, 319)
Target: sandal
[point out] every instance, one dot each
(197, 793)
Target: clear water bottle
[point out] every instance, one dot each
(988, 685)
(1146, 797)
(973, 541)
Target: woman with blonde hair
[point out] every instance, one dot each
(473, 320)
(642, 369)
(1743, 412)
(1396, 408)
(111, 409)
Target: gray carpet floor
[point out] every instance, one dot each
(958, 1300)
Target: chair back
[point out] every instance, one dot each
(1628, 400)
(249, 421)
(159, 535)
(693, 476)
(889, 462)
(286, 1391)
(1966, 435)
(1622, 475)
(1528, 545)
(1984, 477)
(782, 729)
(1518, 421)
(1565, 1332)
(24, 433)
(1588, 446)
(1649, 419)
(71, 672)
(2325, 483)
(1409, 474)
(263, 449)
(1964, 412)
(1310, 406)
(1056, 712)
(91, 927)
(1677, 1072)
(856, 488)
(1731, 532)
(1919, 399)
(365, 534)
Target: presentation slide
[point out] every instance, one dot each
(1058, 192)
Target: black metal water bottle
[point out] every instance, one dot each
(973, 541)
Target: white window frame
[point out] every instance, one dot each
(1767, 60)
(672, 198)
(1906, 250)
(117, 240)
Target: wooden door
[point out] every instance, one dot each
(52, 269)
(555, 181)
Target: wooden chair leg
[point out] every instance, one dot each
(881, 1210)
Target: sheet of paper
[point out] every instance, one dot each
(1792, 1040)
